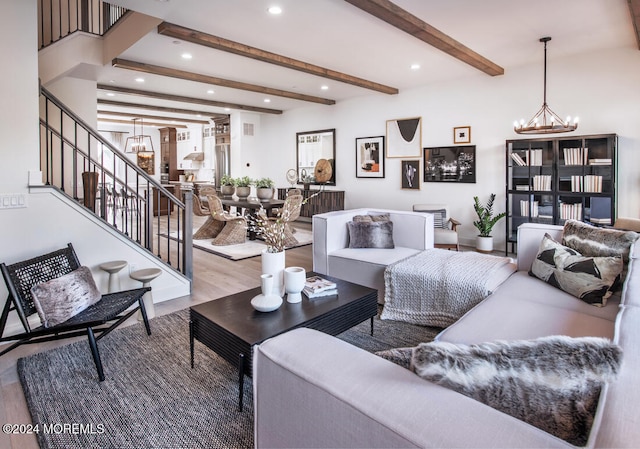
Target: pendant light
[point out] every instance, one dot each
(138, 143)
(545, 121)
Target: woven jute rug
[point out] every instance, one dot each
(151, 397)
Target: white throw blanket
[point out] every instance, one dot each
(436, 287)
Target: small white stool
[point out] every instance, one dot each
(113, 268)
(146, 275)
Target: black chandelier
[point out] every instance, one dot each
(545, 121)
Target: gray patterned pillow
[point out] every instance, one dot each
(62, 298)
(439, 218)
(588, 278)
(375, 234)
(552, 383)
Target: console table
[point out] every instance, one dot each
(327, 201)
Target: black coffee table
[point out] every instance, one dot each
(231, 327)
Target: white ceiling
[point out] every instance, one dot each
(336, 35)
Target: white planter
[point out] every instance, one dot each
(273, 263)
(294, 279)
(264, 193)
(243, 192)
(227, 190)
(484, 244)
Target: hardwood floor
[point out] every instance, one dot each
(214, 277)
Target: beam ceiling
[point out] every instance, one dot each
(634, 8)
(197, 77)
(153, 117)
(128, 122)
(161, 96)
(407, 22)
(125, 104)
(219, 43)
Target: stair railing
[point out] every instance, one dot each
(60, 18)
(87, 167)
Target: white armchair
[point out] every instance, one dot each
(445, 234)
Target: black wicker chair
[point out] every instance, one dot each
(95, 322)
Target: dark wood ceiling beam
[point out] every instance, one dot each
(180, 98)
(126, 104)
(214, 80)
(219, 43)
(634, 8)
(407, 22)
(153, 117)
(128, 122)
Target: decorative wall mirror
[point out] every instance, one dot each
(312, 146)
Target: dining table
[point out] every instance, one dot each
(247, 206)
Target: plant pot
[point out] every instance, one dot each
(273, 264)
(264, 193)
(227, 190)
(484, 244)
(243, 192)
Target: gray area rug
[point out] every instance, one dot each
(151, 397)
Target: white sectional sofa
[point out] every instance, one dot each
(412, 233)
(314, 390)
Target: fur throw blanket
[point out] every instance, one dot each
(552, 383)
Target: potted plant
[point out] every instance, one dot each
(227, 185)
(264, 188)
(243, 186)
(485, 223)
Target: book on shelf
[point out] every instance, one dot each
(602, 221)
(575, 156)
(518, 159)
(603, 161)
(522, 187)
(316, 286)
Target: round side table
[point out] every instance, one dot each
(146, 275)
(113, 268)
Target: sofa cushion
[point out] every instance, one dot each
(62, 298)
(373, 234)
(372, 216)
(587, 278)
(552, 383)
(593, 241)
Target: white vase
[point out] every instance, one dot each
(267, 301)
(273, 263)
(484, 244)
(294, 279)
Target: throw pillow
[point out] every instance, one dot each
(63, 298)
(593, 241)
(399, 356)
(588, 278)
(364, 234)
(439, 218)
(382, 216)
(552, 383)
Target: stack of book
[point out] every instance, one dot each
(603, 161)
(316, 287)
(576, 156)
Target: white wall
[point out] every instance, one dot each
(601, 88)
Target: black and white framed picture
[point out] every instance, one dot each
(411, 175)
(450, 164)
(462, 134)
(404, 137)
(370, 157)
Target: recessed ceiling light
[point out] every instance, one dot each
(187, 56)
(176, 42)
(267, 100)
(139, 80)
(210, 91)
(227, 109)
(110, 94)
(275, 10)
(324, 87)
(415, 66)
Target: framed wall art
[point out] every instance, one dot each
(404, 137)
(370, 157)
(411, 175)
(450, 164)
(462, 134)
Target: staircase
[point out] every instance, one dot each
(83, 165)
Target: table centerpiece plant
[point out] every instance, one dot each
(243, 186)
(227, 185)
(264, 188)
